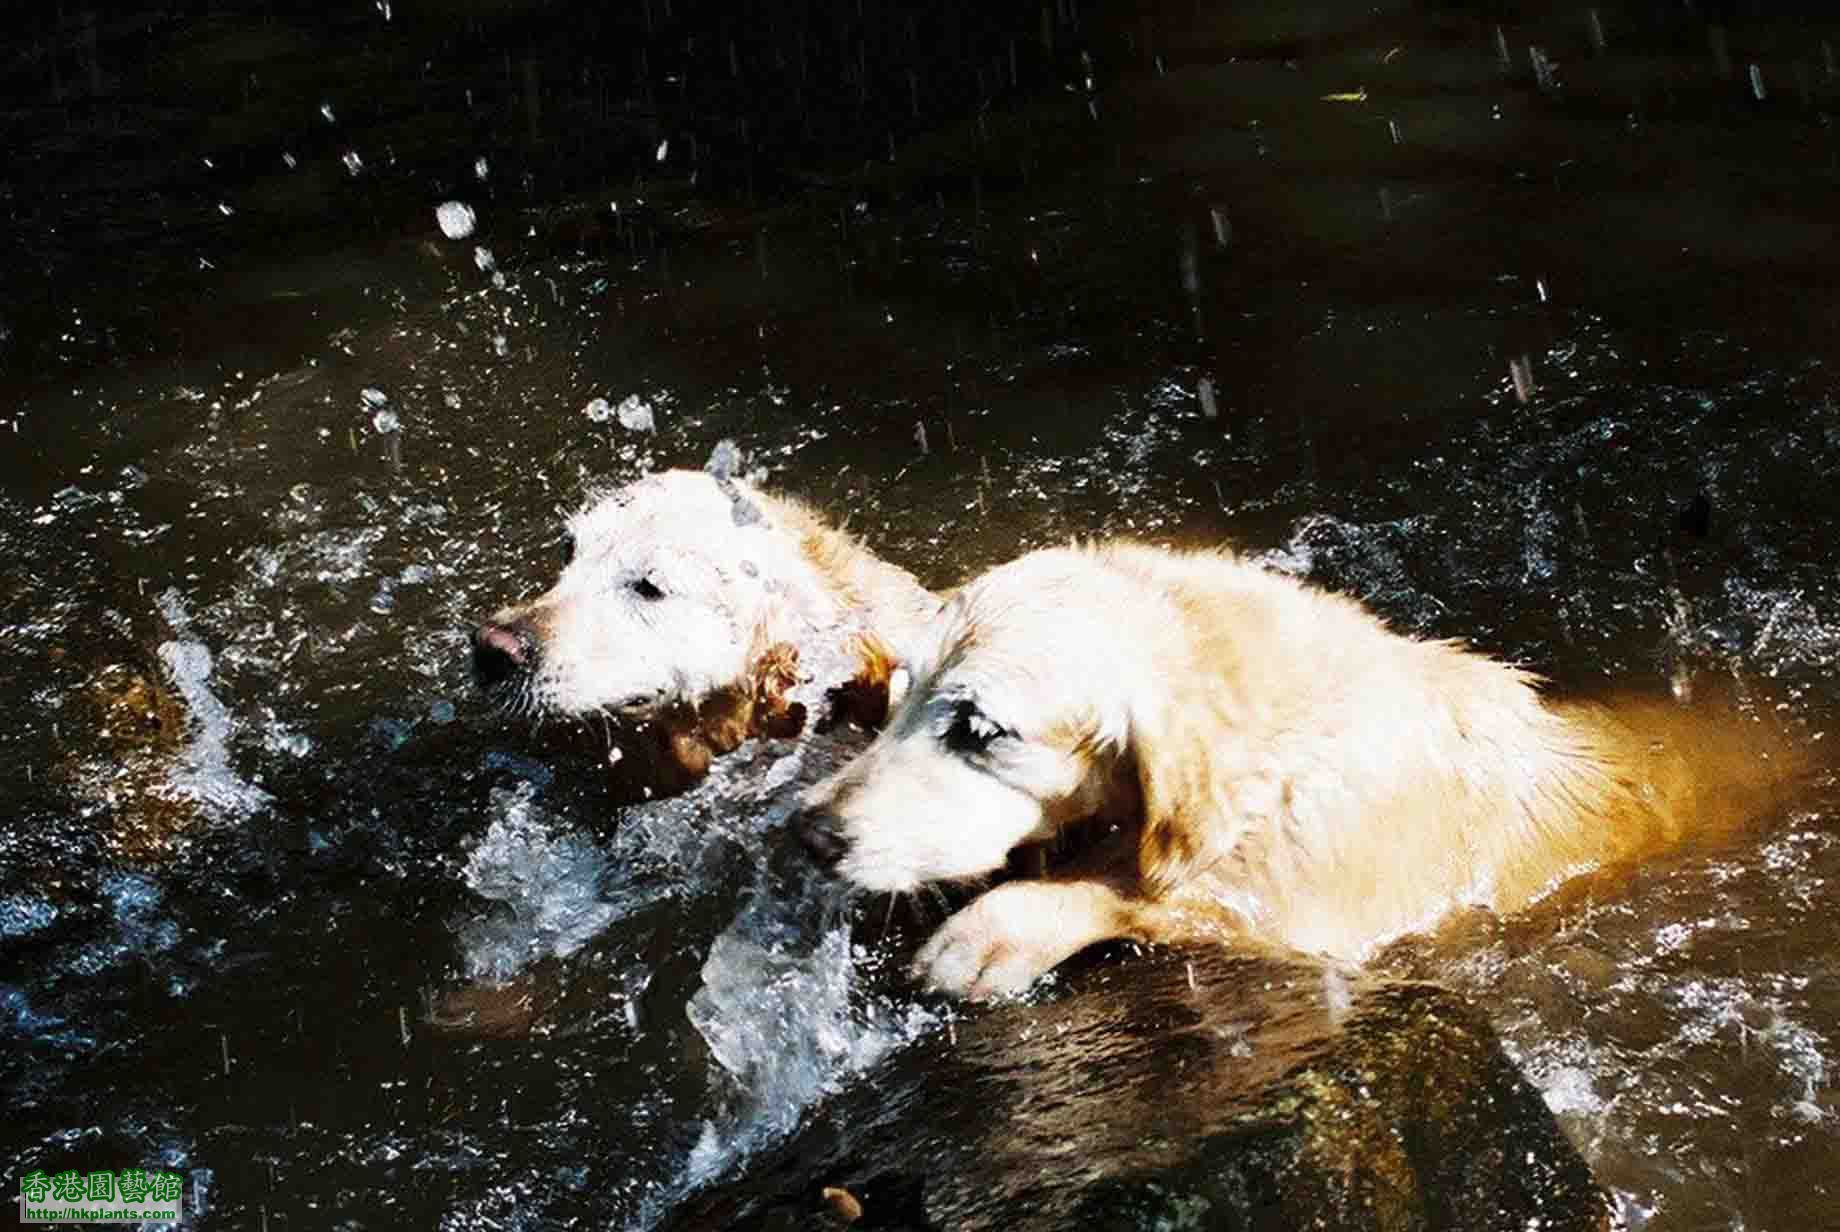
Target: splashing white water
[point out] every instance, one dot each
(203, 772)
(556, 888)
(547, 877)
(787, 1027)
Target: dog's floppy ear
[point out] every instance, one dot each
(1194, 809)
(775, 673)
(1171, 783)
(865, 699)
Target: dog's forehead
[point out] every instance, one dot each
(1011, 689)
(1030, 661)
(1005, 619)
(668, 509)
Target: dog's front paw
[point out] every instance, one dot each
(965, 959)
(1010, 937)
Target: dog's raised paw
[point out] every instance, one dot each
(1002, 942)
(965, 962)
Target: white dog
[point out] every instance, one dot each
(702, 610)
(1249, 758)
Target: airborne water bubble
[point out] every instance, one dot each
(636, 414)
(456, 219)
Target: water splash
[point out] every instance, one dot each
(787, 1023)
(203, 772)
(548, 882)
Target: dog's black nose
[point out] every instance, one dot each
(502, 652)
(822, 835)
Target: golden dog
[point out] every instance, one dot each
(1252, 759)
(697, 610)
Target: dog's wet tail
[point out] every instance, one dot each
(1647, 774)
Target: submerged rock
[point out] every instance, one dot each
(1188, 1089)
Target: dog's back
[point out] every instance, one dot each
(1404, 777)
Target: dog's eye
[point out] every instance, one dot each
(645, 588)
(971, 730)
(568, 549)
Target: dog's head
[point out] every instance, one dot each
(673, 590)
(1017, 721)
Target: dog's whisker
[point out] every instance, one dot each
(888, 920)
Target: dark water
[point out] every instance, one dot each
(1534, 351)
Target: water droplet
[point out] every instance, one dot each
(636, 414)
(456, 219)
(1520, 370)
(1544, 70)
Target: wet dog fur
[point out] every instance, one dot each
(1247, 758)
(694, 611)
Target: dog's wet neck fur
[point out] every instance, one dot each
(832, 672)
(871, 608)
(883, 600)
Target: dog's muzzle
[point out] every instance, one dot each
(503, 652)
(821, 834)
